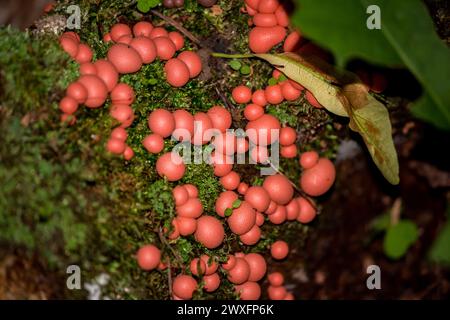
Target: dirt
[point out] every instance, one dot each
(25, 277)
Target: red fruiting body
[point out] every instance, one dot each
(279, 188)
(241, 94)
(240, 273)
(211, 264)
(292, 42)
(121, 112)
(142, 28)
(191, 190)
(268, 6)
(119, 30)
(197, 267)
(292, 210)
(276, 279)
(145, 47)
(279, 250)
(212, 282)
(309, 159)
(96, 89)
(165, 48)
(124, 58)
(171, 166)
(161, 122)
(202, 123)
(119, 133)
(264, 130)
(184, 286)
(258, 198)
(177, 39)
(220, 117)
(148, 257)
(318, 179)
(184, 125)
(276, 293)
(153, 143)
(279, 216)
(191, 209)
(158, 32)
(128, 154)
(107, 72)
(180, 195)
(307, 212)
(230, 181)
(209, 232)
(289, 92)
(287, 136)
(77, 91)
(186, 226)
(231, 262)
(251, 237)
(177, 72)
(262, 39)
(224, 201)
(274, 95)
(249, 290)
(122, 94)
(289, 151)
(192, 61)
(242, 219)
(265, 20)
(68, 105)
(258, 266)
(253, 112)
(259, 98)
(312, 100)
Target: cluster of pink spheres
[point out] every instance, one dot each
(274, 199)
(270, 20)
(131, 49)
(244, 208)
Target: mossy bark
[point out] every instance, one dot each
(66, 198)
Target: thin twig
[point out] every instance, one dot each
(164, 241)
(396, 211)
(232, 56)
(169, 276)
(178, 26)
(223, 98)
(279, 172)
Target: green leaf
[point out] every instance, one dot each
(440, 251)
(228, 212)
(235, 64)
(272, 82)
(370, 119)
(236, 203)
(367, 115)
(381, 222)
(245, 70)
(145, 5)
(319, 83)
(399, 238)
(282, 78)
(340, 26)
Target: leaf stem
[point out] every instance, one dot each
(232, 56)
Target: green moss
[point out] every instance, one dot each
(64, 197)
(202, 176)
